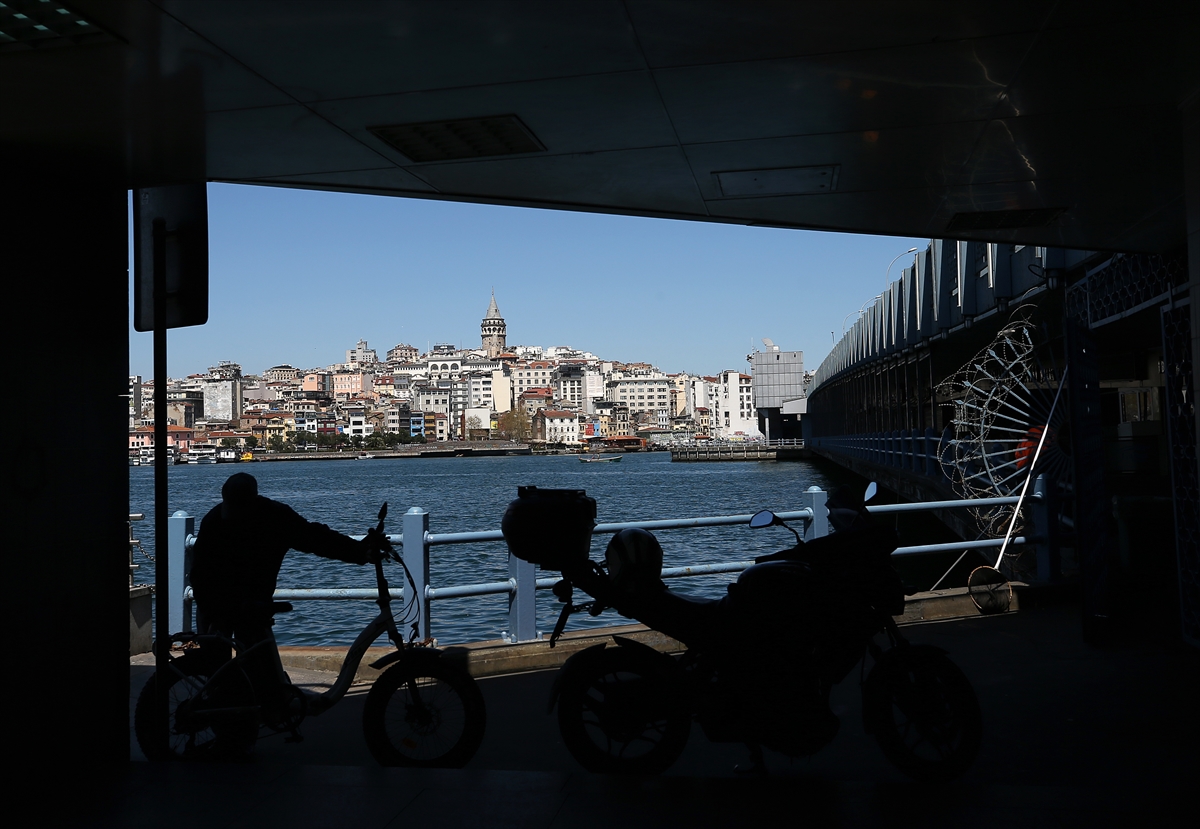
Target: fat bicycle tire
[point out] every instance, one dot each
(616, 713)
(424, 713)
(923, 712)
(232, 737)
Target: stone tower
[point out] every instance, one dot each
(494, 331)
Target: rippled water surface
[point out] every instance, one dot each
(466, 494)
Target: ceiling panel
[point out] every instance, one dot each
(870, 160)
(569, 115)
(691, 32)
(389, 179)
(278, 141)
(938, 83)
(322, 51)
(653, 181)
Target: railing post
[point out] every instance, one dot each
(416, 557)
(1043, 532)
(814, 499)
(522, 610)
(179, 565)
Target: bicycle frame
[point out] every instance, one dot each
(382, 623)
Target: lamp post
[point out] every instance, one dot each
(893, 262)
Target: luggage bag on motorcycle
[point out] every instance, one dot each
(551, 528)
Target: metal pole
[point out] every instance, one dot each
(162, 587)
(415, 548)
(522, 613)
(181, 526)
(1032, 463)
(818, 525)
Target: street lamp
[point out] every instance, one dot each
(861, 309)
(893, 262)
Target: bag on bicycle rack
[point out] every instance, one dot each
(550, 527)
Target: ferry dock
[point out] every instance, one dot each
(775, 450)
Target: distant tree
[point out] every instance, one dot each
(515, 425)
(229, 443)
(252, 442)
(375, 440)
(275, 443)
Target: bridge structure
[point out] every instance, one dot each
(1070, 124)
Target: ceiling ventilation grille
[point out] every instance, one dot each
(460, 139)
(1003, 219)
(39, 24)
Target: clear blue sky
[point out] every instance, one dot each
(299, 276)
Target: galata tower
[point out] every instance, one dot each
(494, 331)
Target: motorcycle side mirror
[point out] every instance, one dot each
(870, 493)
(766, 518)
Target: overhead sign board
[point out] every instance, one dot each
(175, 218)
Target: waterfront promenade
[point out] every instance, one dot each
(1074, 736)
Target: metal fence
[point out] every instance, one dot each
(415, 540)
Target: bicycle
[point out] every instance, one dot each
(420, 712)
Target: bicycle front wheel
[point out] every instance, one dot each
(424, 713)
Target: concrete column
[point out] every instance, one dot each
(1191, 196)
(66, 499)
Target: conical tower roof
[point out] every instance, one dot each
(493, 313)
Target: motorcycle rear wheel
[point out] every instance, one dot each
(617, 715)
(923, 712)
(192, 733)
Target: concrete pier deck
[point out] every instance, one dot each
(1074, 736)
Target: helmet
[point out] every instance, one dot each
(635, 560)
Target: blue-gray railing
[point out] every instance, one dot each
(415, 540)
(912, 449)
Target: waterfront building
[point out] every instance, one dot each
(179, 437)
(535, 374)
(222, 397)
(556, 426)
(135, 399)
(614, 418)
(733, 415)
(778, 390)
(643, 390)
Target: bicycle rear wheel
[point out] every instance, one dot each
(424, 713)
(203, 722)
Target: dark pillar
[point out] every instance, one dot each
(66, 478)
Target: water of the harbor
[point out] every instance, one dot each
(470, 494)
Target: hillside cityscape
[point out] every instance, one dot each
(558, 396)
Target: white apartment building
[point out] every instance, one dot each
(557, 426)
(361, 355)
(641, 392)
(733, 414)
(536, 374)
(481, 391)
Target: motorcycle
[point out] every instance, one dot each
(760, 662)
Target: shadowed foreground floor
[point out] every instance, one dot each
(1074, 736)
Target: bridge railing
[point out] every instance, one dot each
(414, 541)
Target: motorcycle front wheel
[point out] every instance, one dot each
(923, 712)
(617, 715)
(203, 722)
(424, 713)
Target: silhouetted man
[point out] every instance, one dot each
(236, 562)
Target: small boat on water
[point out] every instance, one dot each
(599, 459)
(365, 456)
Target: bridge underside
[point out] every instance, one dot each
(1070, 124)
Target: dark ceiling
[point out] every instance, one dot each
(1040, 122)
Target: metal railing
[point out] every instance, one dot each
(415, 541)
